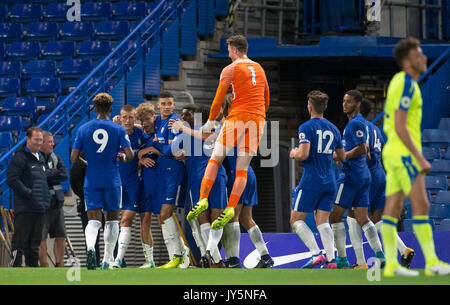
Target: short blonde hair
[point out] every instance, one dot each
(103, 102)
(144, 109)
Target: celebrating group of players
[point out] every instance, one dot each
(212, 159)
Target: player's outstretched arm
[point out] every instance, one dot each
(400, 121)
(198, 134)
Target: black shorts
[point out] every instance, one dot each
(54, 223)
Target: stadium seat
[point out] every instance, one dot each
(21, 106)
(447, 154)
(436, 137)
(2, 51)
(26, 50)
(6, 140)
(71, 68)
(436, 183)
(41, 31)
(10, 68)
(25, 13)
(11, 123)
(43, 87)
(440, 167)
(54, 121)
(444, 123)
(3, 12)
(77, 31)
(439, 211)
(443, 197)
(9, 86)
(59, 50)
(39, 68)
(10, 32)
(130, 10)
(431, 153)
(56, 12)
(96, 11)
(112, 29)
(94, 49)
(444, 225)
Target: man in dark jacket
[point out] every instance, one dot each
(28, 179)
(54, 218)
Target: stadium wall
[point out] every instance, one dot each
(288, 251)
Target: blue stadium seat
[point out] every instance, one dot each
(26, 13)
(3, 12)
(73, 102)
(439, 211)
(440, 167)
(52, 122)
(431, 153)
(56, 12)
(96, 11)
(6, 140)
(447, 154)
(112, 29)
(443, 197)
(26, 50)
(436, 137)
(59, 50)
(43, 87)
(10, 68)
(11, 123)
(71, 68)
(444, 225)
(436, 183)
(39, 68)
(42, 31)
(130, 10)
(444, 123)
(9, 86)
(77, 31)
(94, 49)
(23, 106)
(10, 32)
(2, 51)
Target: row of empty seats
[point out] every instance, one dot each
(90, 11)
(47, 31)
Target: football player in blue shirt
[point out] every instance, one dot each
(171, 180)
(353, 190)
(377, 194)
(102, 141)
(318, 140)
(198, 147)
(133, 199)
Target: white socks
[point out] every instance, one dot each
(232, 232)
(354, 230)
(326, 235)
(110, 236)
(148, 252)
(257, 239)
(372, 236)
(306, 235)
(195, 227)
(400, 244)
(124, 241)
(91, 232)
(339, 238)
(171, 237)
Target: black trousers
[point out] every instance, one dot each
(27, 238)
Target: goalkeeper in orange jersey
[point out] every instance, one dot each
(242, 128)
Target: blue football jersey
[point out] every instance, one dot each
(129, 170)
(101, 141)
(376, 143)
(355, 133)
(324, 138)
(164, 136)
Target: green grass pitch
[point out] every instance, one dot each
(195, 276)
